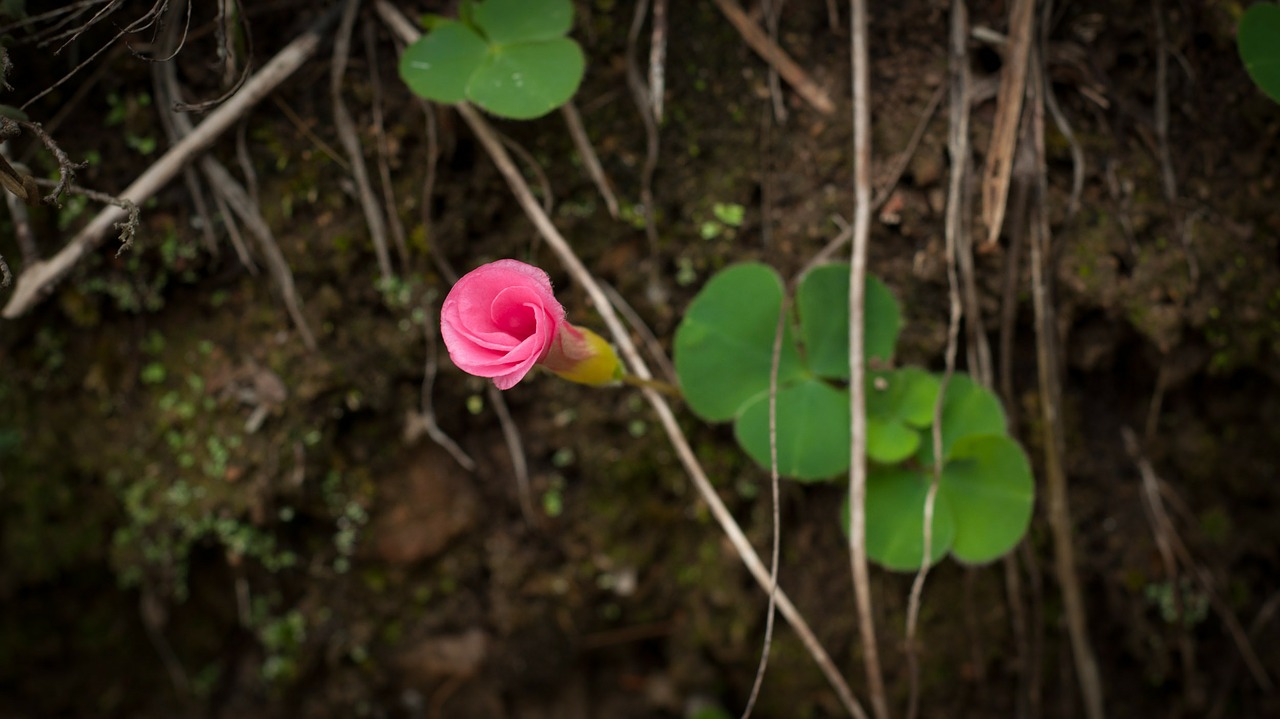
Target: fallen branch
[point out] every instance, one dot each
(39, 278)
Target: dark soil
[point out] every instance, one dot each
(200, 517)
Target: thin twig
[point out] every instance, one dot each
(857, 370)
(345, 126)
(515, 448)
(640, 94)
(37, 279)
(235, 197)
(384, 152)
(1047, 358)
(779, 331)
(310, 134)
(66, 168)
(138, 25)
(590, 160)
(771, 53)
(903, 159)
(958, 148)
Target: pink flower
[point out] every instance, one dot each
(502, 318)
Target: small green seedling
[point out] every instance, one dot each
(1259, 42)
(510, 57)
(723, 356)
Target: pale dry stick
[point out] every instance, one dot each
(1004, 133)
(771, 53)
(233, 233)
(247, 210)
(384, 152)
(590, 160)
(189, 175)
(1162, 529)
(640, 95)
(1168, 177)
(860, 242)
(231, 195)
(958, 149)
(345, 126)
(733, 532)
(40, 277)
(658, 58)
(774, 489)
(1047, 358)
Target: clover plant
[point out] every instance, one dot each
(723, 357)
(1259, 42)
(510, 57)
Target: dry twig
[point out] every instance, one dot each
(1047, 358)
(38, 278)
(771, 53)
(346, 129)
(857, 371)
(641, 96)
(384, 151)
(1004, 134)
(590, 160)
(774, 481)
(958, 149)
